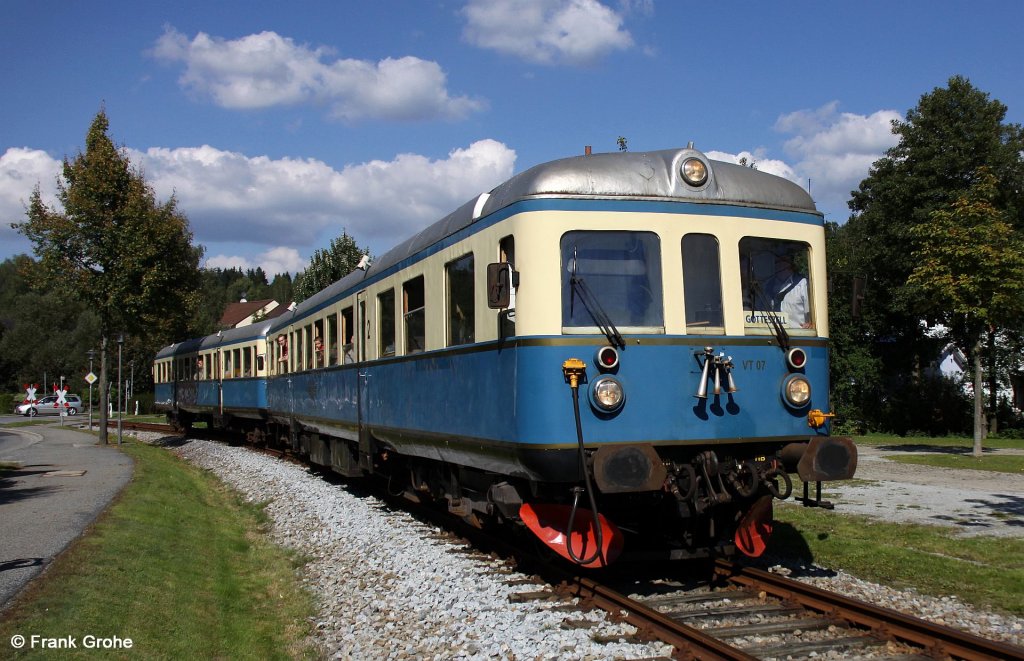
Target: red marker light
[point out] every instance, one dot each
(607, 358)
(796, 358)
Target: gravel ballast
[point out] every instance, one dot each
(388, 589)
(388, 586)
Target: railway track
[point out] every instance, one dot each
(741, 613)
(753, 614)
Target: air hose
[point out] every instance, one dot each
(573, 369)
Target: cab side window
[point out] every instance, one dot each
(460, 300)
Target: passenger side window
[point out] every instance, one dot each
(348, 336)
(414, 314)
(702, 284)
(460, 294)
(319, 350)
(332, 339)
(386, 323)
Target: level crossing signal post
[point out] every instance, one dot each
(90, 378)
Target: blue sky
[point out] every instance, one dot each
(277, 125)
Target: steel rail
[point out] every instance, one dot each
(690, 643)
(936, 639)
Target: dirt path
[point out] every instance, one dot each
(973, 502)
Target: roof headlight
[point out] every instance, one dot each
(607, 395)
(694, 171)
(796, 390)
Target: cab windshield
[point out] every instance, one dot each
(621, 271)
(775, 277)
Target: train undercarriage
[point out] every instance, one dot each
(670, 502)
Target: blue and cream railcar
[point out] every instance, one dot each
(219, 379)
(641, 334)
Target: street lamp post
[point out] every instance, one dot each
(120, 343)
(92, 354)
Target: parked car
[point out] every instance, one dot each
(48, 406)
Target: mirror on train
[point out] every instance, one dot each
(501, 283)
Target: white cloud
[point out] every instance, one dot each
(273, 261)
(763, 164)
(835, 150)
(547, 31)
(21, 170)
(270, 212)
(292, 202)
(266, 69)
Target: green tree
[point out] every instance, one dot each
(328, 266)
(281, 288)
(44, 329)
(112, 245)
(970, 276)
(943, 143)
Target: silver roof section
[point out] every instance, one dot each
(652, 175)
(614, 176)
(223, 338)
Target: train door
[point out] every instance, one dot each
(361, 337)
(220, 383)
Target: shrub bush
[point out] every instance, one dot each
(7, 402)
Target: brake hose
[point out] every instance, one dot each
(572, 369)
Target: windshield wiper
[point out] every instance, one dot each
(579, 288)
(757, 294)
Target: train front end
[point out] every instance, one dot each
(675, 382)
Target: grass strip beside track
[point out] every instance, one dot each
(180, 565)
(911, 443)
(983, 571)
(1000, 464)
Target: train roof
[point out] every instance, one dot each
(614, 176)
(222, 338)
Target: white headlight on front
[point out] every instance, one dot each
(607, 395)
(797, 391)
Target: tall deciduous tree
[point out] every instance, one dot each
(328, 266)
(113, 245)
(944, 141)
(970, 275)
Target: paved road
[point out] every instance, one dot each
(41, 513)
